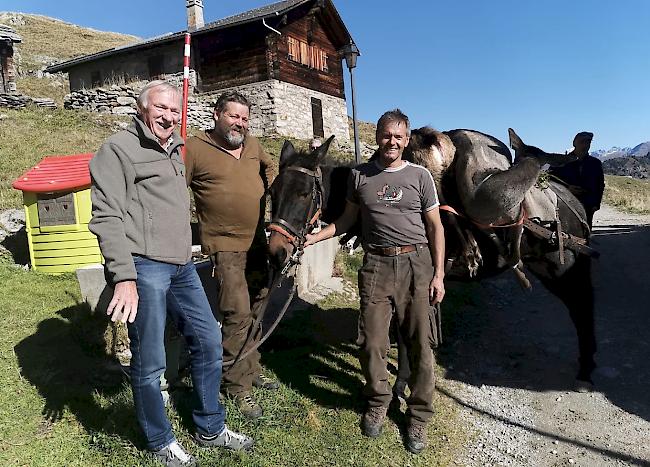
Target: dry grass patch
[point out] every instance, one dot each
(49, 40)
(628, 194)
(366, 131)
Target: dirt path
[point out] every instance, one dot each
(513, 373)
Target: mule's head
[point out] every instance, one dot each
(296, 196)
(523, 150)
(431, 149)
(520, 148)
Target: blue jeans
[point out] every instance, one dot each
(168, 288)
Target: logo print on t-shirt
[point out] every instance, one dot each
(389, 194)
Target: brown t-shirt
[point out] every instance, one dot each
(392, 203)
(227, 191)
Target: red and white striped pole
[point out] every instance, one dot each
(186, 87)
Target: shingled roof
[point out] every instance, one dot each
(256, 14)
(6, 33)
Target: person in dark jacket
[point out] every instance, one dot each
(584, 177)
(141, 216)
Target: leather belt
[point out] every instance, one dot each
(392, 250)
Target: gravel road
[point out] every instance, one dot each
(513, 372)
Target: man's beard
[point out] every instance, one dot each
(235, 139)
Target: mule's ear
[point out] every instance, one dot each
(321, 151)
(515, 141)
(287, 153)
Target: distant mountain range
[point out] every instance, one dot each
(632, 162)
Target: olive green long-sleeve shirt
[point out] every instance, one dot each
(227, 191)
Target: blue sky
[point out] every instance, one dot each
(548, 68)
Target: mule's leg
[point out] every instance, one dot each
(576, 291)
(463, 238)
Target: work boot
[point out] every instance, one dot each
(226, 439)
(174, 455)
(416, 437)
(248, 406)
(373, 420)
(263, 382)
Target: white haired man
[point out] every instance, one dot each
(141, 216)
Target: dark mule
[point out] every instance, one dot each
(474, 173)
(301, 193)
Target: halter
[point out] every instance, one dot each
(297, 235)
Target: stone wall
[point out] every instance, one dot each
(20, 101)
(279, 108)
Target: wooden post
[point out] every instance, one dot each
(186, 79)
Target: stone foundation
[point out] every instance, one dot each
(279, 108)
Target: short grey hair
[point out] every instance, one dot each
(143, 98)
(394, 116)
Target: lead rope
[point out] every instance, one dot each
(259, 309)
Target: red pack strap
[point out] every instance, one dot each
(448, 208)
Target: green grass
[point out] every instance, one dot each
(628, 194)
(61, 404)
(26, 136)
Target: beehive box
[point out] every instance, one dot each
(56, 198)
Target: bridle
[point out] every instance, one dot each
(285, 228)
(297, 238)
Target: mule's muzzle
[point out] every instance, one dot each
(280, 249)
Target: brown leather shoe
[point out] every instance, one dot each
(263, 382)
(373, 420)
(248, 406)
(416, 437)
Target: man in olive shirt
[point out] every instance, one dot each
(229, 171)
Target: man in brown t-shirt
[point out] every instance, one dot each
(229, 171)
(402, 273)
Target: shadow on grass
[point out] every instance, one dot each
(308, 353)
(71, 377)
(17, 246)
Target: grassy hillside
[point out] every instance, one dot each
(49, 40)
(628, 194)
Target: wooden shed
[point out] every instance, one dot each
(56, 197)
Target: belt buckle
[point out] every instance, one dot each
(398, 250)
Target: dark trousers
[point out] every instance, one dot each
(236, 319)
(398, 285)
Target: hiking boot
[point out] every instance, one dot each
(263, 382)
(248, 406)
(373, 420)
(226, 439)
(174, 455)
(416, 438)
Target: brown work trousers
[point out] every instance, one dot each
(236, 319)
(398, 285)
